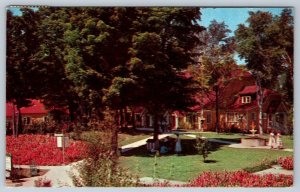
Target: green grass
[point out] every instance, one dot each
(190, 165)
(125, 138)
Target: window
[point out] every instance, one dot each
(208, 118)
(233, 117)
(246, 99)
(26, 121)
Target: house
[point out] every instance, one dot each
(35, 113)
(238, 109)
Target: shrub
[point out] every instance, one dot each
(286, 162)
(101, 168)
(202, 146)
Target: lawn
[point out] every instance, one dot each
(127, 137)
(190, 165)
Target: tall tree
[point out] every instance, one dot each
(160, 53)
(21, 46)
(267, 46)
(215, 61)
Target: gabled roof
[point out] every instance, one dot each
(271, 100)
(36, 108)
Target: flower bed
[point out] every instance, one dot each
(42, 150)
(286, 162)
(234, 179)
(241, 179)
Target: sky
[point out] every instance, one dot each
(231, 16)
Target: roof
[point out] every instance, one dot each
(252, 90)
(240, 73)
(271, 100)
(36, 107)
(249, 90)
(138, 109)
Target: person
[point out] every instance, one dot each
(164, 149)
(178, 148)
(272, 141)
(279, 143)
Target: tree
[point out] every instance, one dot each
(215, 61)
(21, 46)
(267, 46)
(160, 53)
(49, 63)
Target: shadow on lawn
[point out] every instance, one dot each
(187, 149)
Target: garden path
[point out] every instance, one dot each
(276, 169)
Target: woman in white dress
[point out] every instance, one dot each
(272, 141)
(178, 148)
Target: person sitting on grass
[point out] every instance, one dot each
(164, 149)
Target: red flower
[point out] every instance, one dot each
(42, 150)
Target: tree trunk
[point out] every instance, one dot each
(217, 108)
(122, 117)
(13, 121)
(19, 122)
(156, 130)
(114, 136)
(125, 118)
(133, 118)
(260, 105)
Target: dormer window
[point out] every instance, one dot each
(246, 99)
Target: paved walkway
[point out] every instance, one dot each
(276, 169)
(59, 176)
(150, 180)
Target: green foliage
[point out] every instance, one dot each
(202, 146)
(267, 46)
(86, 59)
(101, 168)
(100, 173)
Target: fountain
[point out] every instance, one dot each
(253, 140)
